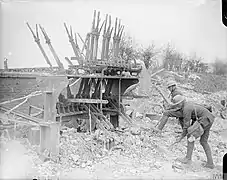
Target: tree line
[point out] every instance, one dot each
(171, 59)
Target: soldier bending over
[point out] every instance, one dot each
(205, 118)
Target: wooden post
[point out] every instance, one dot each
(89, 114)
(29, 110)
(49, 138)
(37, 40)
(109, 32)
(97, 33)
(51, 86)
(101, 93)
(44, 138)
(92, 37)
(88, 47)
(119, 93)
(59, 63)
(104, 40)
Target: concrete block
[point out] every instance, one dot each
(34, 136)
(50, 137)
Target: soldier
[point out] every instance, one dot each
(171, 110)
(205, 118)
(172, 87)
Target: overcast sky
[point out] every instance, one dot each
(191, 25)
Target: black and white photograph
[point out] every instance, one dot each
(113, 89)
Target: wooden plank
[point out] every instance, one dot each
(111, 110)
(37, 108)
(22, 122)
(20, 114)
(134, 96)
(89, 101)
(100, 76)
(8, 126)
(71, 114)
(33, 76)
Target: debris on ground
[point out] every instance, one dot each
(132, 151)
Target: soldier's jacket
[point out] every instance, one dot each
(190, 109)
(177, 92)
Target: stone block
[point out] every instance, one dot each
(34, 136)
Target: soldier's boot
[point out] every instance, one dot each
(210, 163)
(162, 122)
(188, 158)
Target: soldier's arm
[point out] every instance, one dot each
(171, 106)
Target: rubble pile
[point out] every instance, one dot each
(80, 150)
(216, 97)
(141, 150)
(209, 83)
(133, 150)
(140, 147)
(144, 106)
(212, 99)
(200, 83)
(84, 150)
(190, 90)
(151, 105)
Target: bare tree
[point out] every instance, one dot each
(149, 56)
(173, 60)
(127, 50)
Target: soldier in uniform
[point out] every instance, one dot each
(171, 110)
(172, 87)
(205, 118)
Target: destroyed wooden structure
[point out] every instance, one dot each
(90, 92)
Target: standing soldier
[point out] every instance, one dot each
(205, 118)
(5, 63)
(171, 110)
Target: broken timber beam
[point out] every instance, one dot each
(91, 101)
